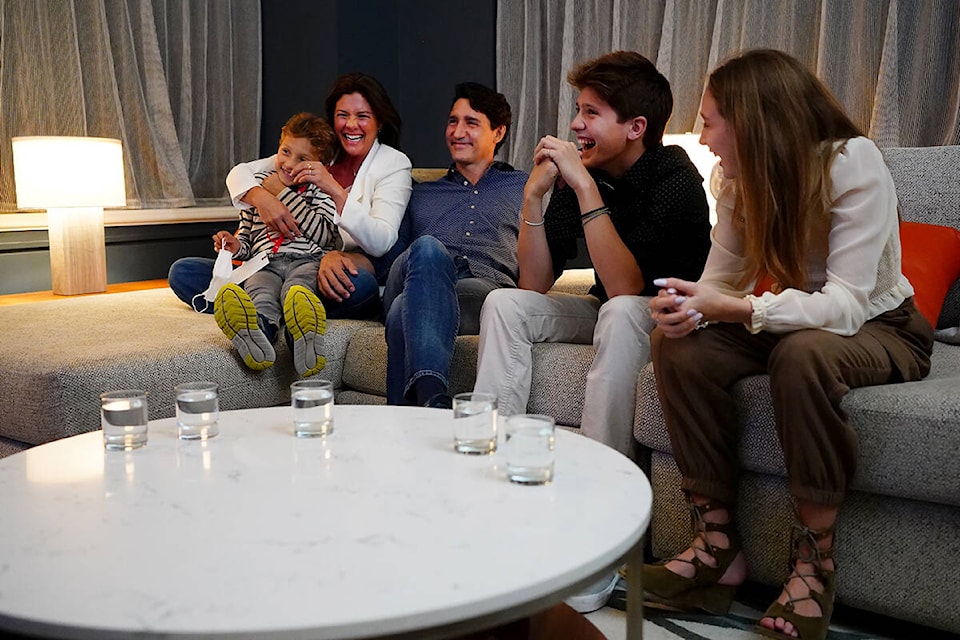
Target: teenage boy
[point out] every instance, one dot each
(459, 241)
(643, 213)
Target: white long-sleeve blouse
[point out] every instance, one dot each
(859, 278)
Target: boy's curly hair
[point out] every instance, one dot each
(317, 130)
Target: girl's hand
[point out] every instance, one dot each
(682, 305)
(671, 308)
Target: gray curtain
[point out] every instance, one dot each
(894, 64)
(178, 82)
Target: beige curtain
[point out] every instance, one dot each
(894, 64)
(178, 82)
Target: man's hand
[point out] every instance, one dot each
(332, 278)
(275, 215)
(542, 178)
(226, 240)
(566, 157)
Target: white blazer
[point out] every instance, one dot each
(375, 203)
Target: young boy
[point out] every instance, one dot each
(252, 315)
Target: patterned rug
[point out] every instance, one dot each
(738, 624)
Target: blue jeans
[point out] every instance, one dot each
(190, 277)
(422, 299)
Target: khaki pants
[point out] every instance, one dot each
(810, 372)
(513, 320)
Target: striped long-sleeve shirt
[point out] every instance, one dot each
(314, 212)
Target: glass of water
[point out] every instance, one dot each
(475, 423)
(198, 410)
(528, 448)
(123, 416)
(312, 402)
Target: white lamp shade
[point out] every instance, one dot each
(703, 159)
(54, 172)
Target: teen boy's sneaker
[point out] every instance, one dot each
(306, 321)
(595, 595)
(237, 318)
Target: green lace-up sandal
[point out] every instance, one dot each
(702, 592)
(805, 548)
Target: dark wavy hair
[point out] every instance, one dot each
(317, 130)
(374, 93)
(632, 86)
(488, 102)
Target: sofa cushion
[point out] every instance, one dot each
(909, 434)
(928, 190)
(58, 356)
(365, 369)
(931, 261)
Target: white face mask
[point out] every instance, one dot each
(222, 270)
(224, 273)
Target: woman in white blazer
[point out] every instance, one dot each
(370, 183)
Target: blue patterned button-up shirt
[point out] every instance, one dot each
(477, 223)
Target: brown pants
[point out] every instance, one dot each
(810, 372)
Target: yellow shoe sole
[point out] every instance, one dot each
(306, 321)
(236, 316)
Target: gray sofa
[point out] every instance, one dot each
(58, 356)
(898, 540)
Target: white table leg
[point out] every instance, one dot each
(635, 592)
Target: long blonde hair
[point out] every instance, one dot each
(781, 116)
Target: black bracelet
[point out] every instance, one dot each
(593, 211)
(591, 215)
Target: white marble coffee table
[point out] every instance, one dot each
(379, 529)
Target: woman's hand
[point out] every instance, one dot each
(226, 240)
(683, 305)
(566, 157)
(332, 278)
(668, 311)
(318, 175)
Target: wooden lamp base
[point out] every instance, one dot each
(78, 258)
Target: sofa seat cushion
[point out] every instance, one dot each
(58, 356)
(909, 433)
(365, 366)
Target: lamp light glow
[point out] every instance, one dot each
(703, 159)
(74, 201)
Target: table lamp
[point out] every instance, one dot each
(703, 159)
(73, 178)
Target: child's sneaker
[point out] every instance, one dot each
(306, 321)
(237, 318)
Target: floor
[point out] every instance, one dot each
(41, 296)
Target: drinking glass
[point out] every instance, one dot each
(312, 402)
(198, 410)
(475, 423)
(528, 448)
(123, 416)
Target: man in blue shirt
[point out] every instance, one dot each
(459, 241)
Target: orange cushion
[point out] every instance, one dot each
(931, 262)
